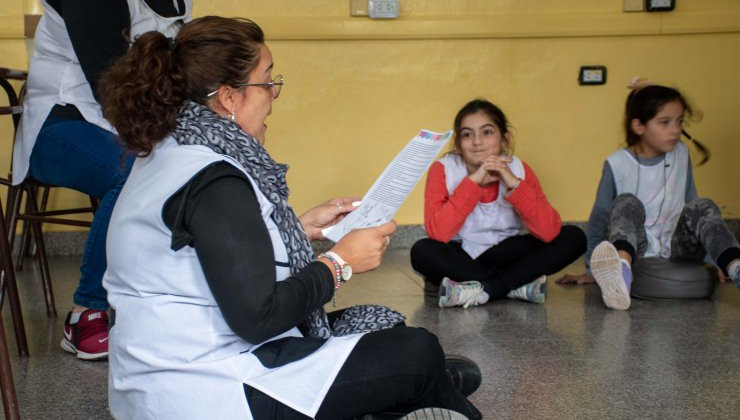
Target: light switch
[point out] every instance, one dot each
(592, 75)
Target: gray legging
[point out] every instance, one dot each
(700, 230)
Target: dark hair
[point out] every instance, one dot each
(644, 103)
(143, 91)
(492, 111)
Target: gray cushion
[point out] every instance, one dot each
(658, 278)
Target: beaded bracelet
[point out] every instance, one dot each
(337, 278)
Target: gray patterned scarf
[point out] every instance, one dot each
(199, 125)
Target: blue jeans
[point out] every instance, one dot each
(84, 157)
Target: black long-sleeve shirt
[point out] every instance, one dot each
(97, 31)
(218, 214)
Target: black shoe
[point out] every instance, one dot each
(464, 373)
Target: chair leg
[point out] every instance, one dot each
(32, 246)
(9, 285)
(9, 203)
(7, 386)
(15, 194)
(44, 198)
(24, 248)
(26, 243)
(14, 198)
(51, 309)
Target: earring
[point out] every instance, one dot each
(232, 117)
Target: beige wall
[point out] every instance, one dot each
(357, 90)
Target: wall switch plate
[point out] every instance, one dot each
(358, 7)
(592, 75)
(633, 6)
(384, 9)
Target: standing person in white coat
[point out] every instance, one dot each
(216, 293)
(64, 140)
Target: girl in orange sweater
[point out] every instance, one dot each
(492, 232)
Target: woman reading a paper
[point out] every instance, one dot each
(204, 249)
(492, 232)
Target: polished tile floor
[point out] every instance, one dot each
(570, 358)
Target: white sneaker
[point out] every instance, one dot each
(534, 292)
(610, 274)
(466, 293)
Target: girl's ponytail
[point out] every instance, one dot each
(142, 92)
(705, 153)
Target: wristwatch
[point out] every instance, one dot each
(345, 270)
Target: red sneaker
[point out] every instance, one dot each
(88, 338)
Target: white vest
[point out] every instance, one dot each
(659, 186)
(488, 223)
(55, 76)
(172, 355)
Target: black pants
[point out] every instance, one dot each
(506, 266)
(396, 370)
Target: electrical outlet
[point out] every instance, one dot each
(384, 9)
(660, 5)
(358, 7)
(592, 75)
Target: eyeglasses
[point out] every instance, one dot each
(275, 85)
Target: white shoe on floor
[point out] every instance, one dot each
(610, 272)
(466, 293)
(534, 292)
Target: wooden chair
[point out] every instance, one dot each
(7, 278)
(7, 385)
(35, 213)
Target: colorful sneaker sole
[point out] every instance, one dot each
(540, 284)
(522, 293)
(70, 348)
(607, 270)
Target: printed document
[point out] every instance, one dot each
(390, 190)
